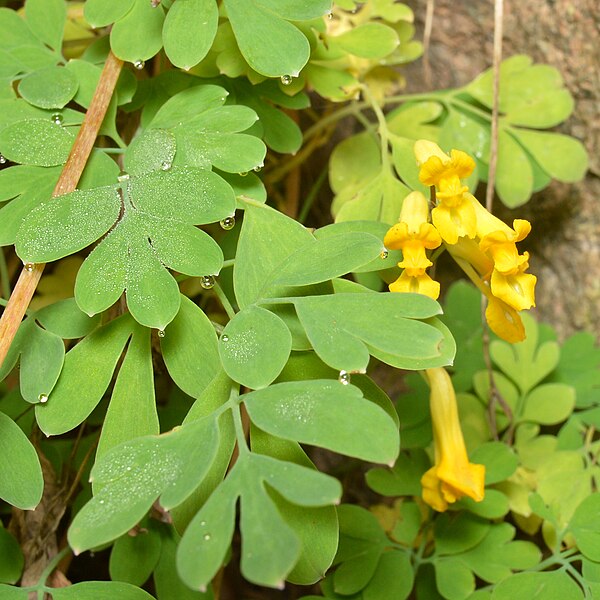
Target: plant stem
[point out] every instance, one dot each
(69, 177)
(4, 278)
(224, 300)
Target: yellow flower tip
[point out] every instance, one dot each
(424, 150)
(396, 236)
(416, 281)
(504, 321)
(415, 211)
(462, 164)
(453, 476)
(414, 257)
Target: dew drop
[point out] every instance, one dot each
(3, 160)
(258, 168)
(207, 282)
(161, 333)
(166, 165)
(206, 537)
(28, 267)
(344, 377)
(202, 523)
(225, 338)
(286, 79)
(139, 64)
(384, 254)
(243, 173)
(57, 118)
(43, 398)
(154, 3)
(101, 501)
(228, 223)
(123, 176)
(330, 15)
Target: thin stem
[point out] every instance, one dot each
(498, 18)
(67, 182)
(113, 150)
(240, 435)
(312, 194)
(224, 300)
(51, 566)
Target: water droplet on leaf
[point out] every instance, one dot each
(344, 377)
(286, 79)
(123, 176)
(28, 266)
(139, 64)
(166, 165)
(43, 398)
(207, 282)
(384, 254)
(228, 223)
(258, 168)
(225, 338)
(243, 173)
(206, 537)
(3, 160)
(330, 15)
(57, 118)
(161, 333)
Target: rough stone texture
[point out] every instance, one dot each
(565, 244)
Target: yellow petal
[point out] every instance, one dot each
(504, 321)
(462, 164)
(416, 281)
(424, 150)
(516, 290)
(455, 222)
(396, 236)
(432, 490)
(413, 255)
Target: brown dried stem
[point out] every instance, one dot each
(71, 173)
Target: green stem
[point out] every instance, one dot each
(113, 150)
(41, 585)
(469, 107)
(4, 276)
(312, 194)
(224, 300)
(234, 405)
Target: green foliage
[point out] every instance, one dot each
(196, 347)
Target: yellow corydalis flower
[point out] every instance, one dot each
(454, 215)
(452, 475)
(414, 235)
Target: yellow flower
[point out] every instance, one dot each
(452, 476)
(414, 235)
(418, 283)
(439, 169)
(504, 320)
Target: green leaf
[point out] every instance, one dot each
(191, 335)
(137, 36)
(403, 479)
(454, 579)
(262, 29)
(548, 404)
(16, 31)
(340, 335)
(461, 131)
(67, 224)
(393, 578)
(86, 374)
(494, 505)
(134, 558)
(189, 30)
(500, 461)
(254, 347)
(353, 160)
(130, 477)
(526, 363)
(46, 18)
(99, 13)
(456, 533)
(152, 150)
(167, 582)
(131, 415)
(36, 142)
(412, 120)
(554, 585)
(272, 236)
(583, 527)
(561, 156)
(369, 40)
(100, 590)
(21, 482)
(328, 258)
(11, 558)
(13, 593)
(64, 319)
(322, 413)
(52, 87)
(514, 175)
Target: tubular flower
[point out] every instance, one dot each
(414, 235)
(454, 216)
(452, 476)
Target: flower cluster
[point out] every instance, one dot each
(482, 245)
